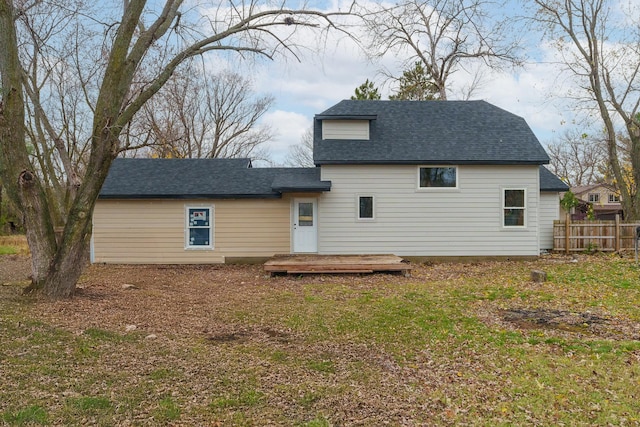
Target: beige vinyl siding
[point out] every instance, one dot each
(466, 221)
(345, 129)
(549, 212)
(153, 231)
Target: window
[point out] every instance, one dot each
(614, 198)
(437, 177)
(594, 197)
(365, 207)
(514, 207)
(198, 231)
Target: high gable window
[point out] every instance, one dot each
(514, 207)
(345, 129)
(594, 197)
(199, 227)
(437, 177)
(614, 198)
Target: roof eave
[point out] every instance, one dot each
(431, 162)
(188, 196)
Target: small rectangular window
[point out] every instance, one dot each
(365, 207)
(437, 177)
(199, 233)
(514, 208)
(614, 198)
(594, 197)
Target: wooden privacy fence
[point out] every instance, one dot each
(578, 236)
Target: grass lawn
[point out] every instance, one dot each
(455, 344)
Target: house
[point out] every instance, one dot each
(416, 179)
(604, 199)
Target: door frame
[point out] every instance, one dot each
(294, 224)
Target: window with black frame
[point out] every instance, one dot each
(437, 177)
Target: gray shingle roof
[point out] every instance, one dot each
(205, 178)
(430, 132)
(550, 182)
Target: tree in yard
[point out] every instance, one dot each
(198, 114)
(131, 75)
(416, 85)
(301, 154)
(599, 45)
(366, 91)
(444, 35)
(578, 158)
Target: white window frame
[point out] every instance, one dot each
(373, 207)
(188, 227)
(596, 197)
(523, 208)
(613, 197)
(419, 188)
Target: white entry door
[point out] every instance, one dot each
(305, 225)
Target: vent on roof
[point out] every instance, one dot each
(345, 129)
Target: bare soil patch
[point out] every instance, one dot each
(14, 268)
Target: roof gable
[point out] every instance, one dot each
(550, 182)
(430, 132)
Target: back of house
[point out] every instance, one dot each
(422, 179)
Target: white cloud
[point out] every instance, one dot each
(290, 127)
(326, 76)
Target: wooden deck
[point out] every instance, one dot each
(334, 264)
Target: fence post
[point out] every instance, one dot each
(617, 238)
(567, 225)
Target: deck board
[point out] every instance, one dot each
(334, 264)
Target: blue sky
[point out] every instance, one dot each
(303, 89)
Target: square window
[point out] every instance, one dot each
(365, 207)
(614, 198)
(594, 197)
(437, 177)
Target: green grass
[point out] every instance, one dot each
(10, 245)
(429, 350)
(8, 250)
(28, 416)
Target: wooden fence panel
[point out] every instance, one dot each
(608, 236)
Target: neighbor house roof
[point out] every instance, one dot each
(205, 178)
(550, 182)
(429, 132)
(586, 188)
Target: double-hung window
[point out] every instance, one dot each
(514, 207)
(199, 227)
(437, 177)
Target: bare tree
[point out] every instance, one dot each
(578, 159)
(198, 114)
(604, 60)
(301, 154)
(130, 77)
(445, 35)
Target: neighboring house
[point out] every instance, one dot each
(424, 179)
(604, 198)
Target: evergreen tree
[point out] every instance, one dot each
(366, 91)
(416, 85)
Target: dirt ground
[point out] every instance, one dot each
(14, 268)
(107, 294)
(177, 308)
